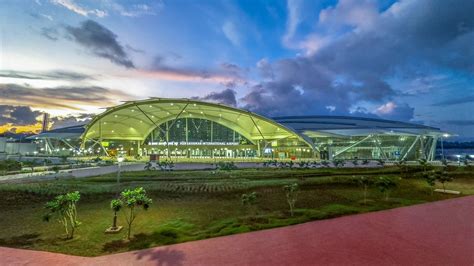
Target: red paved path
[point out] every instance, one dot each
(440, 233)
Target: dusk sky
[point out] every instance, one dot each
(401, 60)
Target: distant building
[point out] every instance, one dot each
(185, 128)
(45, 124)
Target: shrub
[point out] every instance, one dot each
(325, 163)
(64, 207)
(226, 166)
(166, 165)
(249, 200)
(10, 165)
(365, 182)
(385, 185)
(149, 166)
(338, 163)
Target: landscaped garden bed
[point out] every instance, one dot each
(191, 205)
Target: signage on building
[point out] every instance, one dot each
(183, 143)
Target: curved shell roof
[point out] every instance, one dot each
(136, 119)
(352, 126)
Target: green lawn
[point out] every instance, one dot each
(191, 205)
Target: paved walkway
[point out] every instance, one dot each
(440, 233)
(109, 169)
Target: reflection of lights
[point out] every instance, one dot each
(458, 156)
(445, 135)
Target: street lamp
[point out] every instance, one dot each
(119, 160)
(442, 140)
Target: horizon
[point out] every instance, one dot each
(408, 61)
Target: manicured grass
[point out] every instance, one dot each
(191, 205)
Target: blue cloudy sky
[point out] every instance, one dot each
(409, 60)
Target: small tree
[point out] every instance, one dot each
(55, 170)
(365, 182)
(466, 161)
(249, 200)
(134, 199)
(64, 159)
(385, 185)
(365, 162)
(64, 207)
(424, 164)
(291, 192)
(430, 179)
(149, 166)
(290, 164)
(402, 166)
(381, 162)
(443, 178)
(116, 205)
(445, 162)
(355, 162)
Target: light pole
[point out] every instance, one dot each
(119, 160)
(442, 140)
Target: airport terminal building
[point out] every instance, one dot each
(186, 128)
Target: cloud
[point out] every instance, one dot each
(46, 75)
(231, 33)
(71, 120)
(294, 19)
(459, 122)
(136, 10)
(100, 41)
(353, 68)
(386, 108)
(72, 6)
(60, 97)
(462, 100)
(41, 16)
(226, 97)
(265, 69)
(17, 115)
(50, 33)
(394, 111)
(161, 69)
(355, 13)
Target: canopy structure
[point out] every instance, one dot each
(189, 128)
(135, 120)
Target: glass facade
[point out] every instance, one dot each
(202, 138)
(198, 138)
(388, 147)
